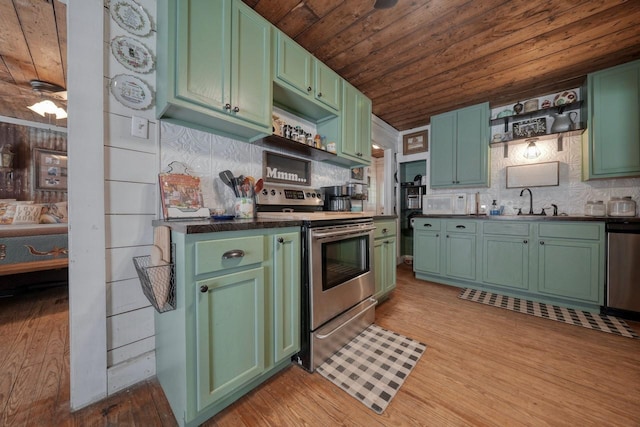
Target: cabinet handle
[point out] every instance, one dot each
(542, 242)
(319, 94)
(227, 106)
(235, 253)
(280, 240)
(428, 225)
(384, 230)
(204, 289)
(460, 226)
(236, 109)
(525, 242)
(309, 89)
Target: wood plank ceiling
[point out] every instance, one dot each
(417, 59)
(424, 57)
(33, 44)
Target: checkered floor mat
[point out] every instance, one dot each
(373, 366)
(609, 324)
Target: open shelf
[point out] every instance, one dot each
(574, 106)
(559, 136)
(295, 147)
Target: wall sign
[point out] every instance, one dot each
(285, 169)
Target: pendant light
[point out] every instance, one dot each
(384, 4)
(532, 151)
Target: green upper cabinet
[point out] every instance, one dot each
(214, 67)
(300, 71)
(356, 126)
(612, 144)
(459, 148)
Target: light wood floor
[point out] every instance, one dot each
(482, 366)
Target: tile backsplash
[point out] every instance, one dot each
(207, 154)
(570, 195)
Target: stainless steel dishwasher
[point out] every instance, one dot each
(623, 269)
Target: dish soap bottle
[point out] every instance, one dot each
(495, 210)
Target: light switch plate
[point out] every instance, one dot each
(139, 127)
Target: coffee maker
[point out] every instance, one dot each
(336, 198)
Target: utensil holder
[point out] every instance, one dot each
(244, 207)
(157, 282)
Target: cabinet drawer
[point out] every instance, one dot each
(210, 254)
(384, 229)
(461, 226)
(589, 231)
(503, 229)
(427, 224)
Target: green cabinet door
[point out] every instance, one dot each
(426, 251)
(328, 85)
(230, 329)
(570, 269)
(384, 253)
(460, 256)
(472, 150)
(356, 125)
(505, 261)
(614, 127)
(251, 65)
(286, 294)
(293, 64)
(460, 148)
(443, 150)
(203, 56)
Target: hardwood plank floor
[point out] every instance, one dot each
(482, 366)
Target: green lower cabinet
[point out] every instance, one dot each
(230, 333)
(286, 294)
(426, 246)
(384, 253)
(505, 261)
(570, 269)
(236, 321)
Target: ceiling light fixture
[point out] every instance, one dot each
(376, 146)
(532, 151)
(384, 4)
(48, 107)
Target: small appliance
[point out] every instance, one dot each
(444, 204)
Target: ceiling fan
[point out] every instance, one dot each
(41, 97)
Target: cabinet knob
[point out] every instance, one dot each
(204, 289)
(384, 230)
(236, 109)
(319, 94)
(309, 89)
(227, 106)
(280, 240)
(438, 235)
(447, 236)
(234, 253)
(525, 242)
(542, 242)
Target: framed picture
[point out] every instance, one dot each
(357, 173)
(51, 169)
(415, 142)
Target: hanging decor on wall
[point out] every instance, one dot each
(131, 92)
(131, 17)
(132, 54)
(415, 142)
(50, 169)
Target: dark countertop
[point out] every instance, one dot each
(608, 219)
(214, 226)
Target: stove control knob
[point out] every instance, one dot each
(273, 192)
(308, 194)
(265, 192)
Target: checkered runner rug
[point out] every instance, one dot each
(603, 323)
(373, 366)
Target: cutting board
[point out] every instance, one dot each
(162, 239)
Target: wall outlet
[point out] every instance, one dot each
(139, 127)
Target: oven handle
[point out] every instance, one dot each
(362, 231)
(372, 302)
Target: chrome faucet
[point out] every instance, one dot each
(530, 200)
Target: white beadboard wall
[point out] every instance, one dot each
(131, 200)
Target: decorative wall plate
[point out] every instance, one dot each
(131, 17)
(566, 97)
(133, 54)
(131, 92)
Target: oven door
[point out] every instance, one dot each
(340, 269)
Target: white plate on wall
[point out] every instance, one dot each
(131, 91)
(131, 17)
(133, 54)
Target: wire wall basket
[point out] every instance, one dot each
(158, 282)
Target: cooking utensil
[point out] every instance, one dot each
(259, 185)
(246, 188)
(227, 177)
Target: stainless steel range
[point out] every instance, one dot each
(337, 274)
